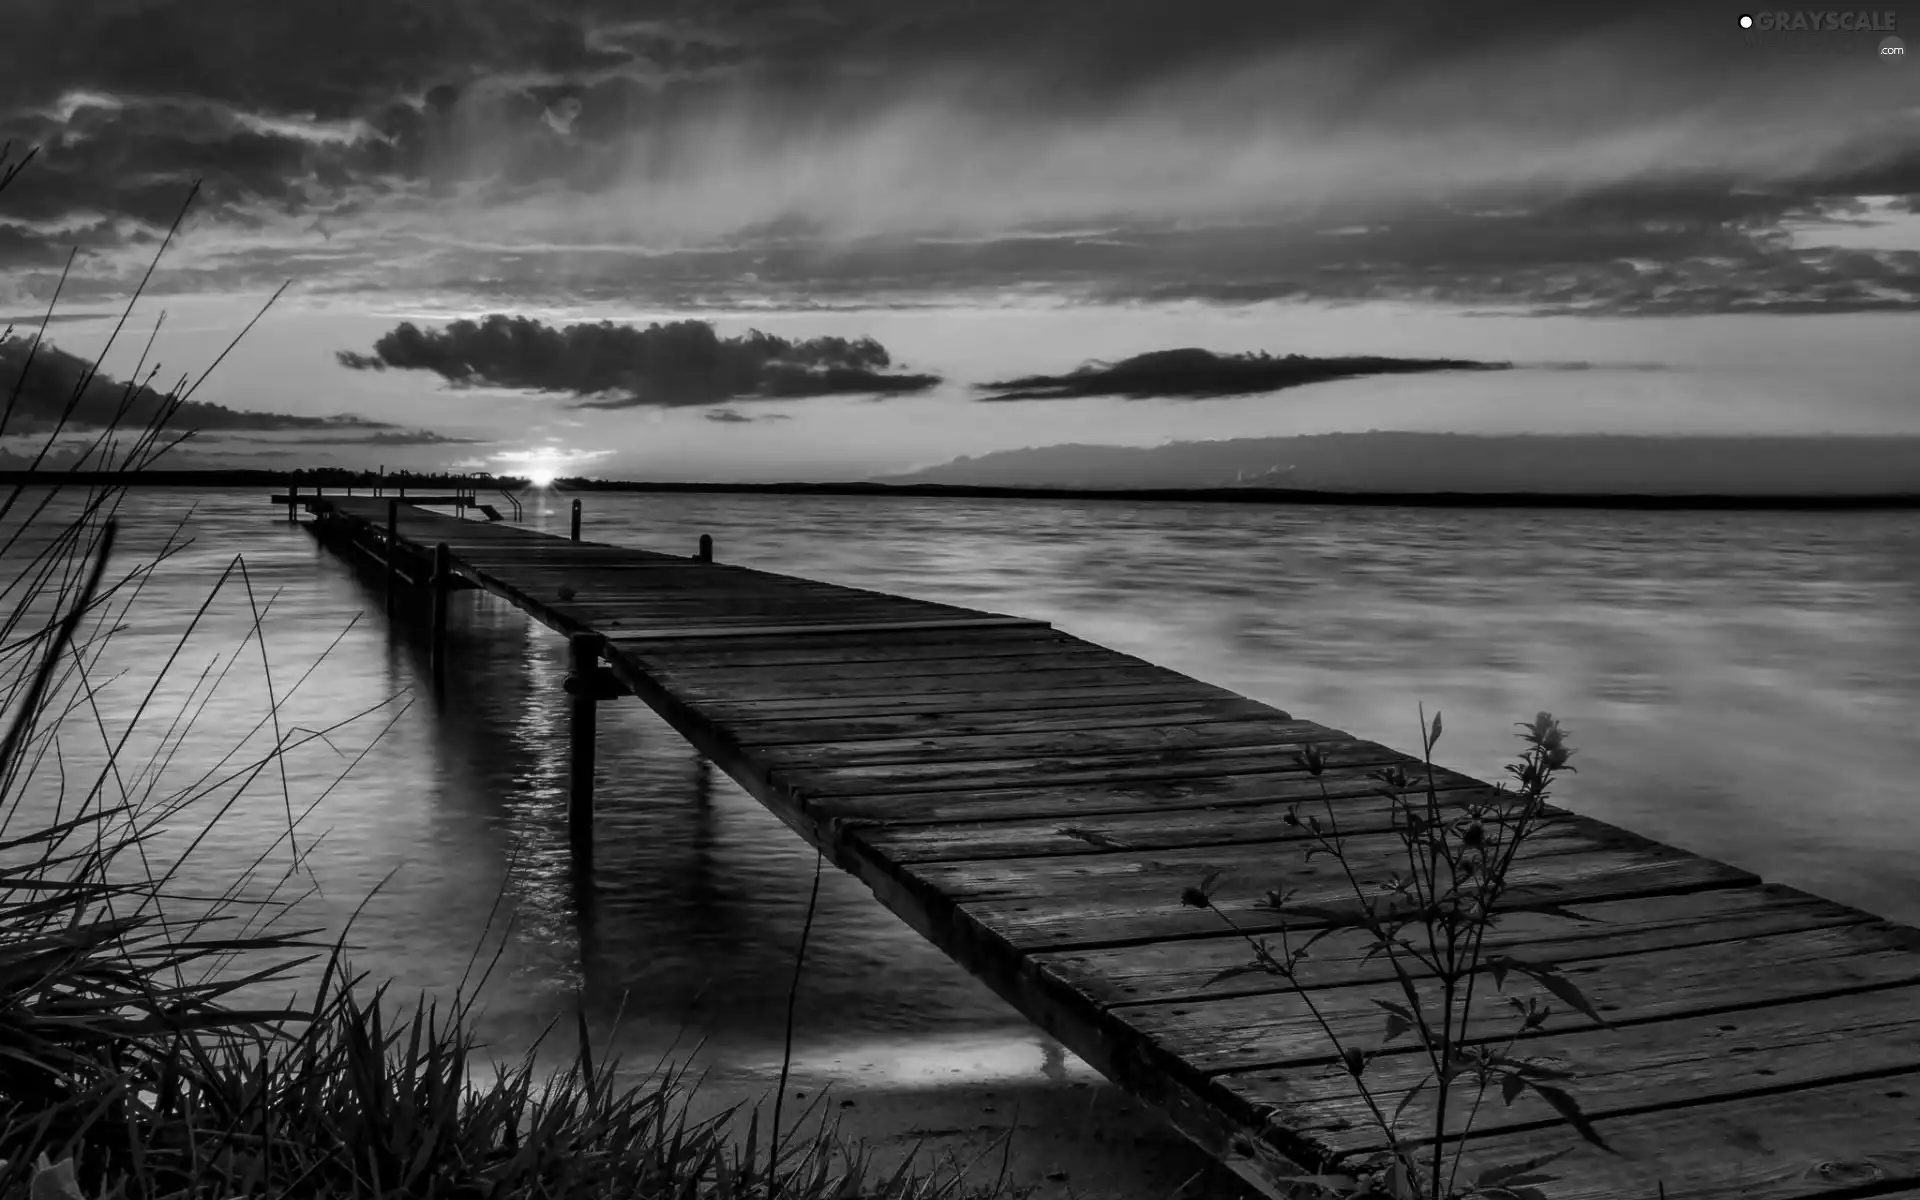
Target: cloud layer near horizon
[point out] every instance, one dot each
(1195, 373)
(1635, 160)
(672, 365)
(49, 388)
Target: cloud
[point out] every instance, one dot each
(1199, 373)
(48, 384)
(729, 416)
(673, 365)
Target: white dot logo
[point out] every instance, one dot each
(1746, 22)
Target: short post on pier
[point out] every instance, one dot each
(293, 501)
(583, 685)
(706, 548)
(441, 583)
(393, 550)
(576, 520)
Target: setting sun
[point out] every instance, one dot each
(539, 476)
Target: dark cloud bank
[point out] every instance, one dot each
(1194, 372)
(49, 385)
(679, 364)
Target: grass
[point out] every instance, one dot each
(131, 1067)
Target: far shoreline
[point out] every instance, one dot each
(1809, 502)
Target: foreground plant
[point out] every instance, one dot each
(1428, 919)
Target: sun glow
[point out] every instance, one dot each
(540, 476)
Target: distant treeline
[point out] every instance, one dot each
(1221, 495)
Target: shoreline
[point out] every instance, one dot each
(1811, 502)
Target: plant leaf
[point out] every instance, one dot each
(1568, 1109)
(1548, 976)
(1506, 1172)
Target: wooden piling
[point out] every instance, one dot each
(583, 659)
(576, 520)
(706, 548)
(293, 501)
(441, 579)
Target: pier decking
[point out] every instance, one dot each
(1034, 804)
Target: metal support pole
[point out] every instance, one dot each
(393, 550)
(293, 501)
(583, 660)
(706, 547)
(442, 577)
(576, 520)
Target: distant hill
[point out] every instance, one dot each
(1445, 462)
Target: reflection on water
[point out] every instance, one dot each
(1737, 683)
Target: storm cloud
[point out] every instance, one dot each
(1197, 373)
(608, 365)
(1631, 159)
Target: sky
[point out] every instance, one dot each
(1720, 226)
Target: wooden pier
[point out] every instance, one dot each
(1035, 804)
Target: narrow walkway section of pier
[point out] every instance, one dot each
(1035, 804)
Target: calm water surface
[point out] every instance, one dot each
(1739, 684)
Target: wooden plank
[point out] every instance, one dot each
(713, 630)
(1150, 691)
(1282, 783)
(1139, 739)
(1162, 829)
(1844, 1139)
(1006, 638)
(890, 724)
(1243, 1032)
(1112, 900)
(904, 689)
(1637, 1068)
(1069, 769)
(667, 667)
(1188, 968)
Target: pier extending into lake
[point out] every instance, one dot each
(1035, 804)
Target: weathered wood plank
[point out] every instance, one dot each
(1152, 691)
(1070, 769)
(893, 724)
(1659, 1065)
(1241, 1032)
(1160, 829)
(1844, 1139)
(664, 666)
(1110, 912)
(1281, 783)
(1186, 969)
(904, 688)
(1009, 641)
(944, 748)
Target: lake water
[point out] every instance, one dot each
(1739, 684)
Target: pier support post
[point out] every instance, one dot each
(706, 548)
(441, 580)
(393, 550)
(293, 501)
(583, 662)
(576, 520)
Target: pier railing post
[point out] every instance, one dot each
(706, 548)
(393, 550)
(583, 662)
(576, 520)
(442, 578)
